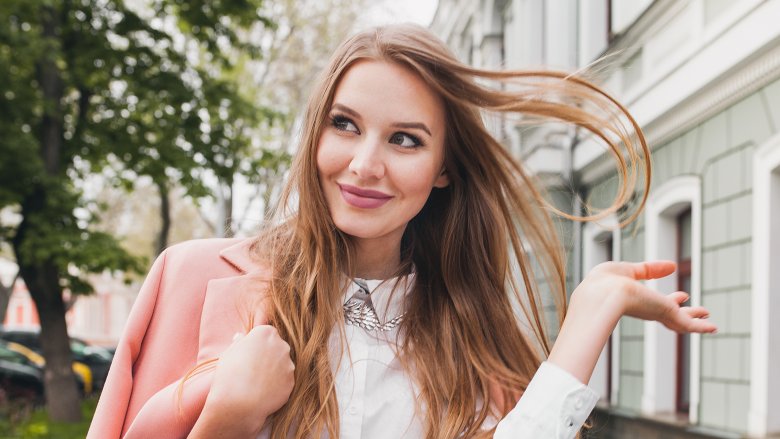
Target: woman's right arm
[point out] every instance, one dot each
(253, 379)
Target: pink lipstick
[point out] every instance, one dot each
(363, 198)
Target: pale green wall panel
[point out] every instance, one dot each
(718, 306)
(740, 312)
(729, 171)
(727, 362)
(771, 95)
(749, 121)
(714, 136)
(707, 357)
(738, 397)
(739, 214)
(715, 226)
(690, 152)
(713, 406)
(630, 392)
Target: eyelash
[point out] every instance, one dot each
(339, 122)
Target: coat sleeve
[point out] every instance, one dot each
(186, 313)
(112, 408)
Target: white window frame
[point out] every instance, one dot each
(593, 234)
(660, 370)
(765, 329)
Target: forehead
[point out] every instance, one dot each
(389, 91)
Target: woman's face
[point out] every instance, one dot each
(381, 151)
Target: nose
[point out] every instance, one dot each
(367, 162)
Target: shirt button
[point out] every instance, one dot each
(569, 423)
(579, 403)
(353, 410)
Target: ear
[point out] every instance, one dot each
(443, 180)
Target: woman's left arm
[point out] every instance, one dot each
(610, 291)
(556, 402)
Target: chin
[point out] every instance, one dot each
(357, 231)
(359, 228)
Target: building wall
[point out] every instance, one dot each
(702, 77)
(98, 318)
(720, 152)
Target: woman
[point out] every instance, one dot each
(383, 305)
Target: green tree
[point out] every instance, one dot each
(295, 50)
(95, 86)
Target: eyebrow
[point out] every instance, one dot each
(413, 125)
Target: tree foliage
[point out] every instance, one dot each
(98, 87)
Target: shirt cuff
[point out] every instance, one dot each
(555, 405)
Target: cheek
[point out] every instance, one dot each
(331, 156)
(418, 180)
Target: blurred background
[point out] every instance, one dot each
(128, 126)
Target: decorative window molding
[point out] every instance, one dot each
(664, 205)
(735, 62)
(594, 252)
(765, 330)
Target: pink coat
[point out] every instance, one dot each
(186, 312)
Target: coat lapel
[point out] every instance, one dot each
(232, 304)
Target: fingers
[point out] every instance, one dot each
(652, 269)
(696, 312)
(640, 270)
(649, 304)
(691, 319)
(689, 324)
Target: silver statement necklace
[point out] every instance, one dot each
(359, 311)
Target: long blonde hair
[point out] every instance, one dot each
(461, 338)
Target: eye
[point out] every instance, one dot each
(405, 140)
(342, 123)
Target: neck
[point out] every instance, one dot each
(377, 258)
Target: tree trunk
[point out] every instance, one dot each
(229, 211)
(226, 210)
(41, 273)
(43, 281)
(165, 217)
(60, 389)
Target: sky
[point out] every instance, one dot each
(399, 11)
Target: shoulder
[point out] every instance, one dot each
(203, 247)
(203, 256)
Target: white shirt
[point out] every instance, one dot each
(376, 397)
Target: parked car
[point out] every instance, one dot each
(20, 379)
(82, 371)
(96, 358)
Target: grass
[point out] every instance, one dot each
(17, 422)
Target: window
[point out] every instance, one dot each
(683, 398)
(671, 364)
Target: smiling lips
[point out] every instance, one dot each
(363, 198)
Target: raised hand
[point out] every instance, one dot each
(253, 379)
(618, 281)
(610, 291)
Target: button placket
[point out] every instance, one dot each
(353, 418)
